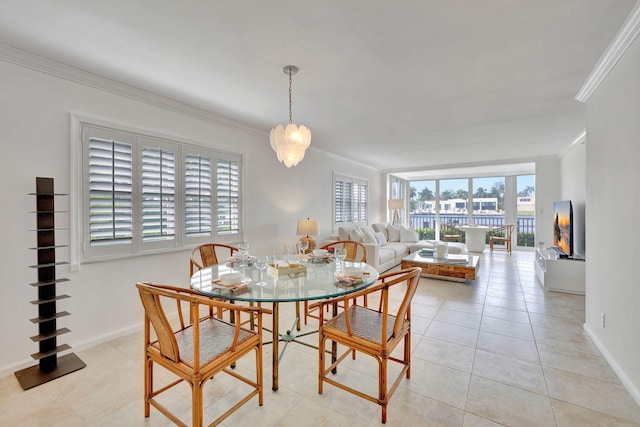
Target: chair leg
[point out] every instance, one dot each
(196, 404)
(321, 358)
(382, 388)
(407, 353)
(259, 375)
(148, 385)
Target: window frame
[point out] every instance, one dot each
(82, 251)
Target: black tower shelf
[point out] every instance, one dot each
(49, 366)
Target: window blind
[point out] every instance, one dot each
(350, 200)
(343, 201)
(158, 194)
(110, 192)
(227, 196)
(197, 195)
(147, 194)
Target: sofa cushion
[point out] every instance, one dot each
(394, 233)
(380, 238)
(385, 254)
(400, 249)
(408, 235)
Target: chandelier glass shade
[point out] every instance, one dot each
(290, 142)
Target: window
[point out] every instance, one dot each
(141, 193)
(493, 202)
(350, 200)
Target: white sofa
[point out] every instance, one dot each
(398, 242)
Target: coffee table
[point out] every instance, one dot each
(459, 268)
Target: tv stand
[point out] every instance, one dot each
(560, 274)
(559, 252)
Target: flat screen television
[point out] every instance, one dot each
(563, 227)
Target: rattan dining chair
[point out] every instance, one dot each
(372, 331)
(208, 254)
(356, 251)
(501, 235)
(195, 347)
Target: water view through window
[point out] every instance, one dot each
(481, 201)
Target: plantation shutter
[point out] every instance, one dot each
(360, 197)
(350, 199)
(198, 194)
(227, 196)
(148, 194)
(110, 169)
(343, 201)
(158, 194)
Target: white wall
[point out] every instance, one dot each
(35, 131)
(613, 179)
(547, 191)
(573, 187)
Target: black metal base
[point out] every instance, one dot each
(33, 376)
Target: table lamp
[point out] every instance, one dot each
(395, 205)
(308, 227)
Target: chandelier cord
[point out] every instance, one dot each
(290, 80)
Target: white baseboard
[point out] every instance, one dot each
(624, 379)
(76, 347)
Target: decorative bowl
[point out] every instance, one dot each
(320, 252)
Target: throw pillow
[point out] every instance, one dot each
(380, 238)
(382, 228)
(394, 233)
(408, 235)
(356, 234)
(369, 238)
(343, 233)
(367, 229)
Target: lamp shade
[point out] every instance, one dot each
(308, 227)
(396, 204)
(290, 143)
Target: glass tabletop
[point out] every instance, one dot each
(320, 281)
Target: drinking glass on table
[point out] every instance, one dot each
(340, 255)
(261, 264)
(302, 246)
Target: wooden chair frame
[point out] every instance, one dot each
(450, 233)
(356, 251)
(205, 255)
(375, 332)
(198, 349)
(504, 236)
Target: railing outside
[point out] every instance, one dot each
(425, 224)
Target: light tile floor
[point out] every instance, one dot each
(498, 351)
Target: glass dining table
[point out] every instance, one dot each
(320, 281)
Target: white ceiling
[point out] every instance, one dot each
(396, 85)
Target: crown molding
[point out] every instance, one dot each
(627, 34)
(87, 78)
(580, 139)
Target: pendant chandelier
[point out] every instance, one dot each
(291, 142)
